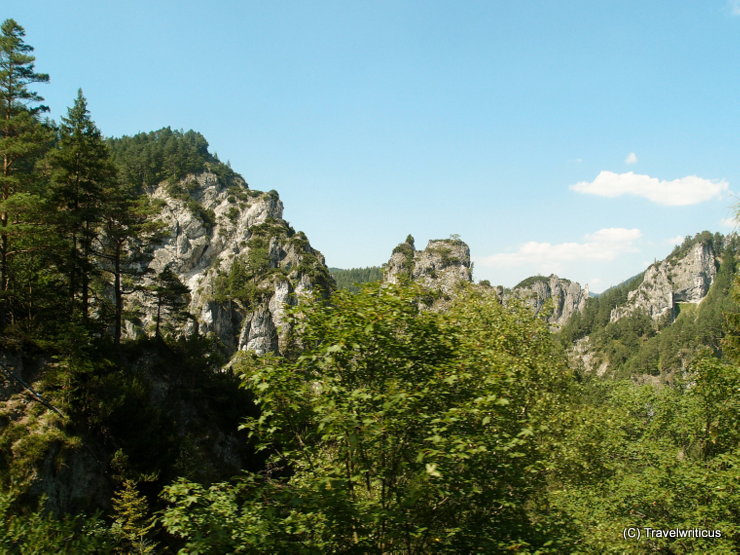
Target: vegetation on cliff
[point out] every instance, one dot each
(382, 427)
(637, 344)
(147, 159)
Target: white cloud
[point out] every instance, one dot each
(677, 192)
(734, 6)
(631, 159)
(677, 240)
(731, 223)
(604, 244)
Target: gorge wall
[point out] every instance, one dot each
(567, 297)
(677, 279)
(239, 258)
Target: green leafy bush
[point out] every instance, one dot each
(404, 430)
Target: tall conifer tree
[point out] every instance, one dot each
(22, 139)
(171, 298)
(82, 170)
(129, 224)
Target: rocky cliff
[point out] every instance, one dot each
(685, 278)
(240, 260)
(445, 263)
(567, 297)
(442, 265)
(652, 326)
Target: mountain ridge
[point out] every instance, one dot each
(621, 330)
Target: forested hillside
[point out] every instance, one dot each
(351, 279)
(147, 159)
(636, 344)
(177, 376)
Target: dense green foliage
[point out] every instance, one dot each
(660, 458)
(77, 400)
(30, 531)
(81, 173)
(23, 141)
(71, 230)
(171, 299)
(147, 159)
(383, 427)
(157, 413)
(350, 280)
(405, 430)
(395, 429)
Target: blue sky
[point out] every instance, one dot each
(576, 137)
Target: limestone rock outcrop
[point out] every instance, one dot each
(240, 260)
(568, 297)
(445, 263)
(677, 279)
(442, 265)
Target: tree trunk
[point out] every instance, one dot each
(118, 294)
(73, 265)
(85, 271)
(4, 246)
(159, 312)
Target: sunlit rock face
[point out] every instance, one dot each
(567, 297)
(242, 263)
(445, 264)
(684, 279)
(442, 265)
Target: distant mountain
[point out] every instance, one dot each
(652, 324)
(655, 323)
(566, 297)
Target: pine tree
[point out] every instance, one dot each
(132, 523)
(171, 297)
(22, 139)
(128, 225)
(82, 170)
